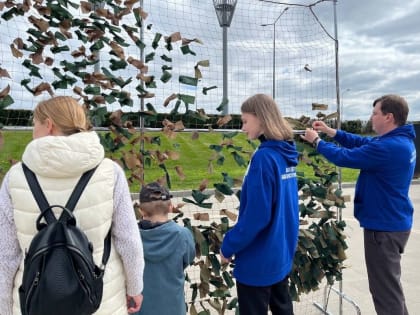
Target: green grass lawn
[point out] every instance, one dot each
(196, 159)
(14, 143)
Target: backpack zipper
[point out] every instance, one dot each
(31, 289)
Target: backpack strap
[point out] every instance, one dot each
(38, 194)
(107, 249)
(77, 192)
(42, 200)
(70, 205)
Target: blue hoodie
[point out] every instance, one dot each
(168, 249)
(264, 239)
(386, 164)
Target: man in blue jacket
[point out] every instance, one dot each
(381, 203)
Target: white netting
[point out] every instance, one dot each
(302, 37)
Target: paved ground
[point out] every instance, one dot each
(355, 284)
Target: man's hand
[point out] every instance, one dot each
(320, 126)
(310, 135)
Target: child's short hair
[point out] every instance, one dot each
(155, 199)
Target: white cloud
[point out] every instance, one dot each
(379, 53)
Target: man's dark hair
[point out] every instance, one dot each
(394, 104)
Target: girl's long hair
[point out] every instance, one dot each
(264, 107)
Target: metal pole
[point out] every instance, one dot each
(274, 48)
(96, 54)
(225, 76)
(337, 78)
(141, 118)
(224, 11)
(274, 60)
(142, 59)
(337, 82)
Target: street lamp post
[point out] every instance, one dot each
(224, 10)
(274, 49)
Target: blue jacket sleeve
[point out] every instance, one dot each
(349, 140)
(255, 208)
(373, 155)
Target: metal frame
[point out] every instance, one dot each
(324, 308)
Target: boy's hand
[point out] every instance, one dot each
(134, 303)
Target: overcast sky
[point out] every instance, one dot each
(379, 49)
(379, 53)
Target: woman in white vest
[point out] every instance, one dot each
(61, 150)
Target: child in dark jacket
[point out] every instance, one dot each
(168, 249)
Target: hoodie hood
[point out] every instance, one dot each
(287, 149)
(403, 131)
(160, 241)
(63, 156)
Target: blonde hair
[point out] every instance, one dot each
(155, 207)
(264, 107)
(65, 113)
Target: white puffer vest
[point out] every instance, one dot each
(70, 156)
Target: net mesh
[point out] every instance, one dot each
(284, 50)
(268, 44)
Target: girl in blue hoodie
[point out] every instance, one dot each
(264, 239)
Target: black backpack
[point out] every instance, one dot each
(59, 275)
